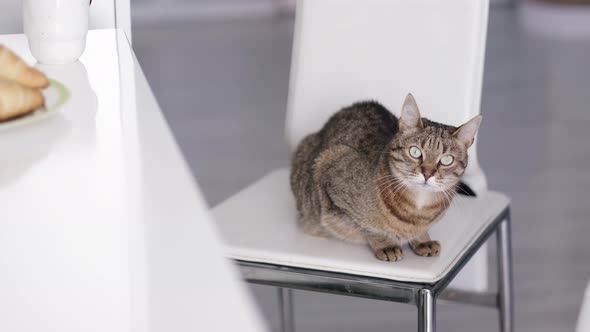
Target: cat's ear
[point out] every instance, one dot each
(466, 133)
(410, 117)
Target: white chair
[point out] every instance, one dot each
(111, 14)
(350, 50)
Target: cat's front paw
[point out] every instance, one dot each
(426, 249)
(390, 254)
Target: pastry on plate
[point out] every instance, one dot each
(13, 68)
(17, 100)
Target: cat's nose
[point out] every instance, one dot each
(427, 173)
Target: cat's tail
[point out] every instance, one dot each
(465, 190)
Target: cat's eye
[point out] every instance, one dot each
(447, 160)
(415, 152)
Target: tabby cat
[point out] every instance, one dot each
(368, 177)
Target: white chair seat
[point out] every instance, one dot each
(259, 224)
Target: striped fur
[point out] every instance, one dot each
(356, 179)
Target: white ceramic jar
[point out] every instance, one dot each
(56, 29)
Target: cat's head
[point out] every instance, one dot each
(427, 155)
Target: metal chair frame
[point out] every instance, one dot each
(423, 296)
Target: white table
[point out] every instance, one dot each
(101, 225)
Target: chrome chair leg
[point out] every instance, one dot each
(285, 296)
(505, 289)
(426, 311)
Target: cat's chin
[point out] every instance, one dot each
(426, 187)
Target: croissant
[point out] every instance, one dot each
(15, 69)
(17, 100)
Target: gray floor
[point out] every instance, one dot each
(223, 87)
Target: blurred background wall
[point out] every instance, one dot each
(166, 10)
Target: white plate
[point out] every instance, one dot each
(56, 95)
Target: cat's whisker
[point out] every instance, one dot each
(463, 191)
(460, 198)
(388, 186)
(383, 184)
(387, 182)
(452, 196)
(392, 184)
(386, 177)
(396, 190)
(449, 199)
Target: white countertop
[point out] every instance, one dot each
(102, 227)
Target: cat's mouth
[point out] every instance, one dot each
(427, 185)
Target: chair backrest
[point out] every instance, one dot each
(351, 50)
(111, 14)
